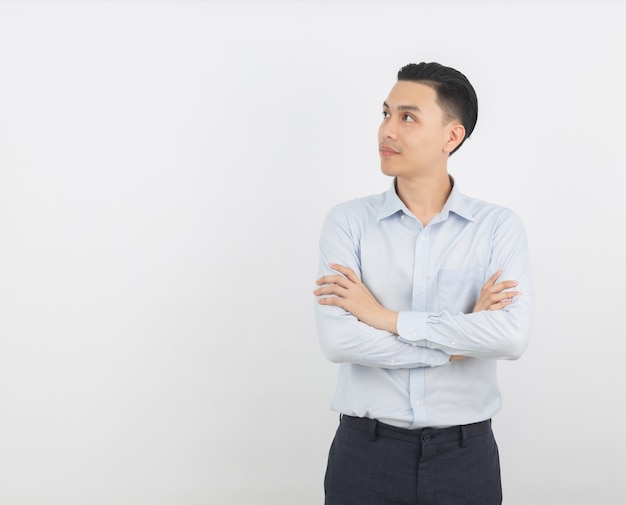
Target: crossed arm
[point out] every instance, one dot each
(346, 290)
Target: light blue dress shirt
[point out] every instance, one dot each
(432, 275)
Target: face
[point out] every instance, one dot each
(414, 138)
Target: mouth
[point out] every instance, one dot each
(387, 152)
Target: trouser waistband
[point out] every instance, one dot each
(432, 435)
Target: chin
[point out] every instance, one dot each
(389, 170)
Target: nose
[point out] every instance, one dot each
(387, 130)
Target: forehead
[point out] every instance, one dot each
(413, 94)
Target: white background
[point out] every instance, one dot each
(164, 171)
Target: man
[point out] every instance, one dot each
(413, 301)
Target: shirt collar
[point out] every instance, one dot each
(456, 203)
(391, 204)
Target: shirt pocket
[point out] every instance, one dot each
(459, 289)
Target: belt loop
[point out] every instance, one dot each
(372, 430)
(463, 437)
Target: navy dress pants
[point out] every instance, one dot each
(371, 463)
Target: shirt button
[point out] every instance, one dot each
(431, 359)
(417, 403)
(414, 334)
(420, 278)
(422, 238)
(453, 344)
(414, 344)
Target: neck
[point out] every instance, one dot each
(424, 196)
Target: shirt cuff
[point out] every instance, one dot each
(412, 326)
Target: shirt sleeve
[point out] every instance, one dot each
(499, 334)
(345, 339)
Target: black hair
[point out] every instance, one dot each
(455, 94)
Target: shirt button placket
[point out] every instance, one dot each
(420, 269)
(419, 303)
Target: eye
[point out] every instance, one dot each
(385, 114)
(408, 118)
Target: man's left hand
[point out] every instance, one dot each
(346, 290)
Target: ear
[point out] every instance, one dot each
(456, 134)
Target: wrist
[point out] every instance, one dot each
(390, 321)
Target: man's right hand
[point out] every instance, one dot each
(493, 295)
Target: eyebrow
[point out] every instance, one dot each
(403, 107)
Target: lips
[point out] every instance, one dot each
(386, 151)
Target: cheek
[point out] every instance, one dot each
(416, 143)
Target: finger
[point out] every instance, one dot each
(503, 295)
(332, 300)
(492, 280)
(504, 302)
(347, 271)
(505, 285)
(500, 305)
(331, 279)
(331, 289)
(501, 286)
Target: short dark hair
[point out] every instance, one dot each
(455, 94)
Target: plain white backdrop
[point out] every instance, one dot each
(165, 167)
